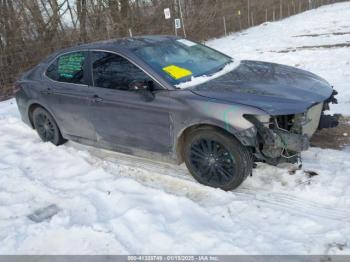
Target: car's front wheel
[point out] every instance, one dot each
(216, 158)
(46, 127)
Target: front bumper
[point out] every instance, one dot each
(276, 143)
(283, 142)
(283, 138)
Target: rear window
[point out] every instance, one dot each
(68, 68)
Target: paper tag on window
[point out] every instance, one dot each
(186, 42)
(177, 72)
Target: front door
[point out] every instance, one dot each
(121, 114)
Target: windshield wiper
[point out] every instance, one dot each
(218, 69)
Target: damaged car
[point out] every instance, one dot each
(170, 99)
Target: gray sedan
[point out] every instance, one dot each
(174, 100)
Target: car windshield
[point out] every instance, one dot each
(178, 60)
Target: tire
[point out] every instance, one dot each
(217, 159)
(46, 127)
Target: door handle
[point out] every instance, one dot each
(96, 99)
(46, 91)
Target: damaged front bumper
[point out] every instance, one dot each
(282, 138)
(275, 145)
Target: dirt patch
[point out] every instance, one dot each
(347, 44)
(334, 138)
(326, 34)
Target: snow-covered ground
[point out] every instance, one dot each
(115, 204)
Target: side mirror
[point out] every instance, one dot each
(138, 85)
(144, 88)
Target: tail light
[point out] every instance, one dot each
(16, 88)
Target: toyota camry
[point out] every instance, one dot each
(171, 99)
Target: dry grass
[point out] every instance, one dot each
(6, 92)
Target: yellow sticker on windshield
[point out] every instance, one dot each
(177, 72)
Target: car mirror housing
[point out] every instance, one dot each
(139, 85)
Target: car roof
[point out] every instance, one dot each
(123, 45)
(127, 43)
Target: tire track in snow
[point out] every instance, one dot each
(288, 203)
(176, 180)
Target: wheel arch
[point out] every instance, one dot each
(180, 142)
(31, 109)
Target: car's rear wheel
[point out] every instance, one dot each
(46, 127)
(216, 158)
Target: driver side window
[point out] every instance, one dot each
(115, 72)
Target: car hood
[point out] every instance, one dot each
(276, 89)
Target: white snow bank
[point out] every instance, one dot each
(202, 79)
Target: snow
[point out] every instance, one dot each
(109, 203)
(205, 78)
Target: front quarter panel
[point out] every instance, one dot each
(198, 110)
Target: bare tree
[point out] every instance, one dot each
(82, 11)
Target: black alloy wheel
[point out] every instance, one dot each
(217, 159)
(213, 161)
(46, 127)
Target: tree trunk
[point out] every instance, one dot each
(82, 12)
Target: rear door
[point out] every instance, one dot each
(68, 94)
(123, 116)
